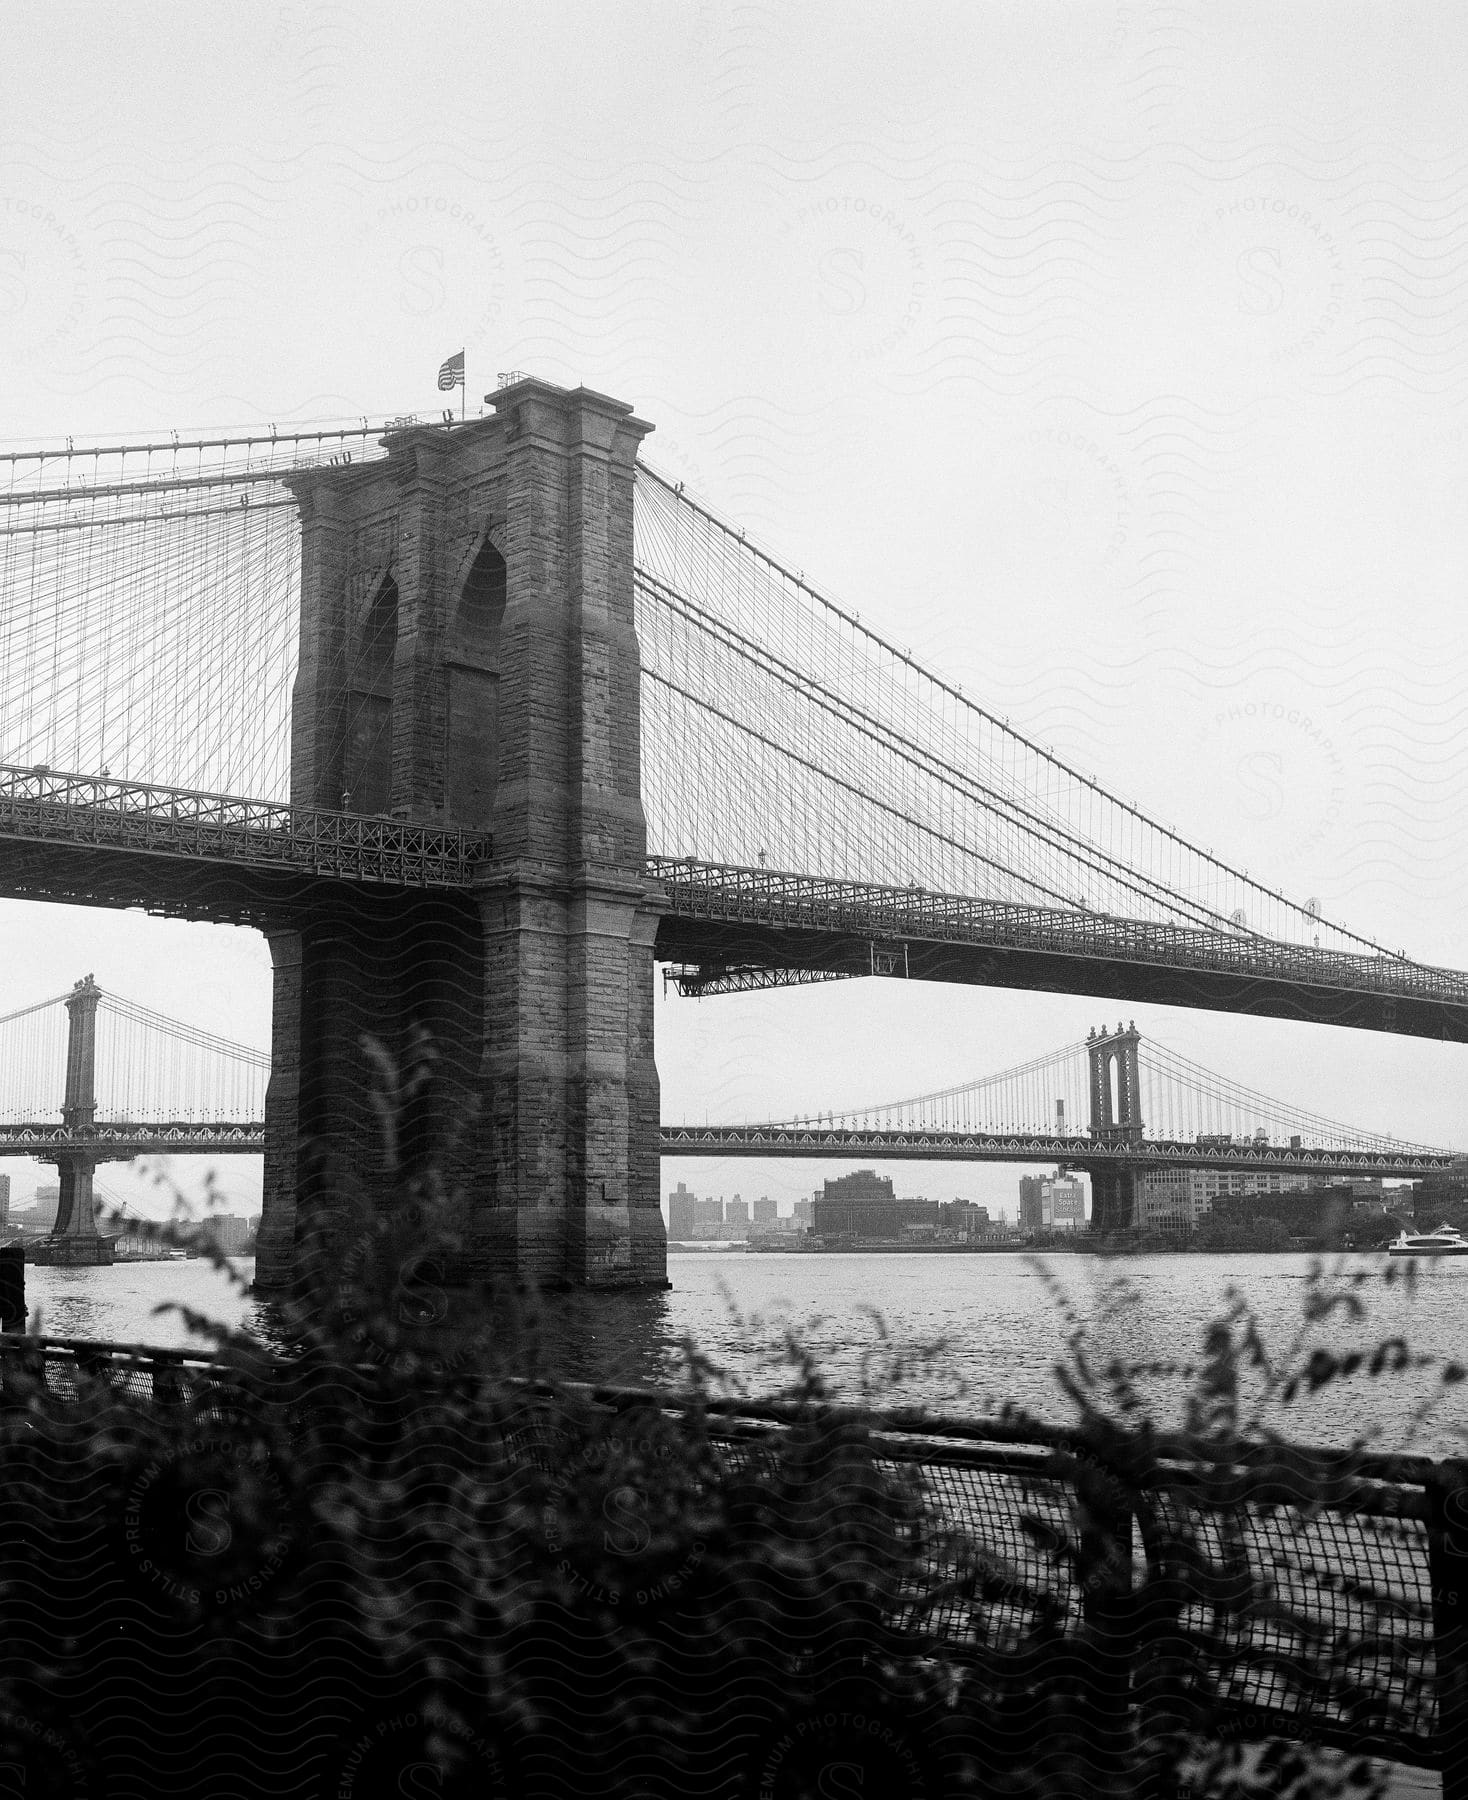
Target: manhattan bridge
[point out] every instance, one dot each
(478, 722)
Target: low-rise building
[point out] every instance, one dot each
(866, 1205)
(40, 1216)
(1052, 1203)
(1441, 1198)
(230, 1232)
(1062, 1204)
(1167, 1201)
(964, 1219)
(1320, 1216)
(1174, 1201)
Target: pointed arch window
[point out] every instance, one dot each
(367, 763)
(471, 760)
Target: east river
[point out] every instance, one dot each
(960, 1333)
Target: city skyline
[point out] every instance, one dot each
(237, 1178)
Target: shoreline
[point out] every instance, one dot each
(724, 1248)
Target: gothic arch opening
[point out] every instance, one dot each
(367, 763)
(471, 750)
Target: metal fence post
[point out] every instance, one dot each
(1447, 1552)
(12, 1287)
(167, 1386)
(1108, 1605)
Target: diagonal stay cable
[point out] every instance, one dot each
(859, 793)
(742, 545)
(1049, 833)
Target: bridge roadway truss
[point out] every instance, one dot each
(1036, 1147)
(730, 929)
(117, 1142)
(88, 838)
(76, 837)
(120, 1142)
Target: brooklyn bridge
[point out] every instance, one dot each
(477, 722)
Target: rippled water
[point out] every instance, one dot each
(996, 1327)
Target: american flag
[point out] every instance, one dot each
(451, 375)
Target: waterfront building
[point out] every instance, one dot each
(1062, 1204)
(4, 1201)
(1052, 1203)
(768, 1222)
(1174, 1201)
(229, 1232)
(1441, 1198)
(736, 1217)
(682, 1213)
(866, 1205)
(708, 1218)
(802, 1214)
(1318, 1215)
(40, 1215)
(964, 1219)
(1168, 1201)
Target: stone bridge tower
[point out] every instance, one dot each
(468, 660)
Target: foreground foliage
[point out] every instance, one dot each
(406, 1561)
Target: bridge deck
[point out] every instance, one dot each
(741, 927)
(44, 806)
(91, 838)
(116, 1142)
(842, 1142)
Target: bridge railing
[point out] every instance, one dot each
(1364, 1556)
(179, 1136)
(778, 899)
(55, 806)
(1363, 1551)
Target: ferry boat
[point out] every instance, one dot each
(1445, 1241)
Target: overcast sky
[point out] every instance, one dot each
(1111, 356)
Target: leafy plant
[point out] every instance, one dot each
(407, 1553)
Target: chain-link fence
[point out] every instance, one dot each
(1323, 1596)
